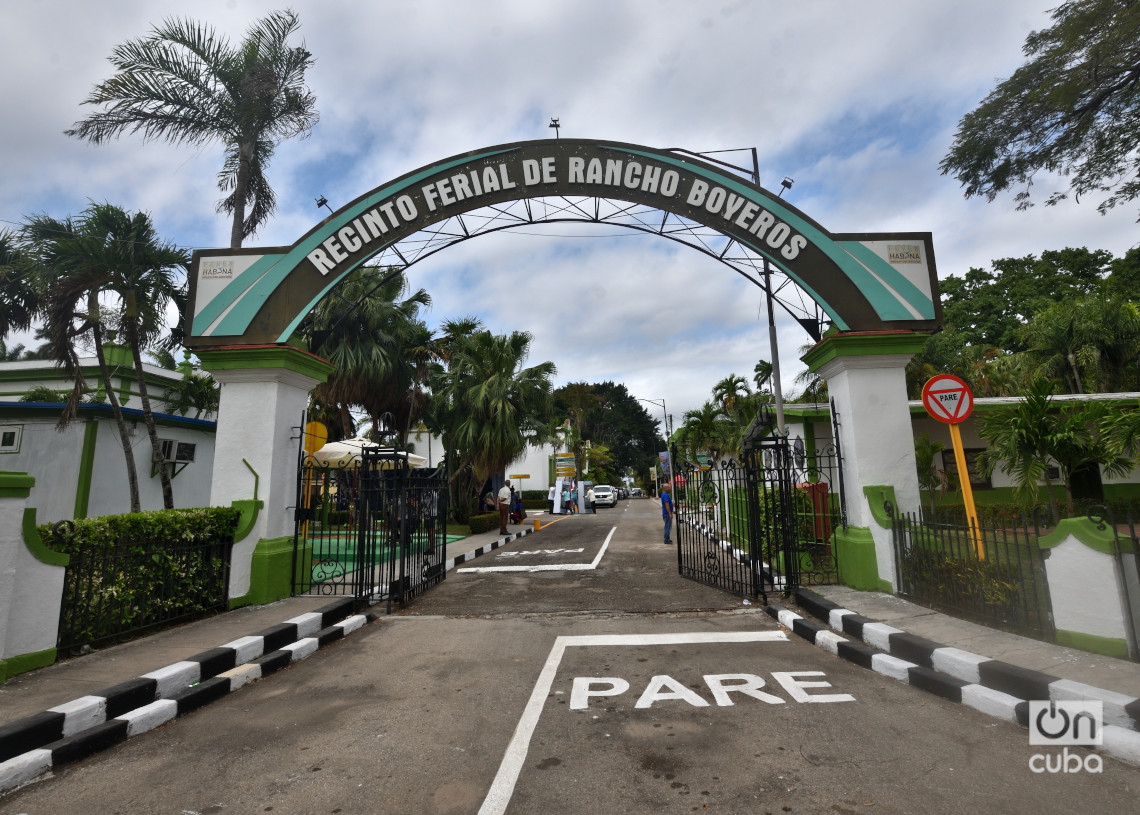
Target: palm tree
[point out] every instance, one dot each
(194, 391)
(488, 406)
(19, 298)
(930, 477)
(377, 343)
(1024, 439)
(706, 429)
(107, 251)
(762, 374)
(187, 85)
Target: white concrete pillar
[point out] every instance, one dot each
(866, 378)
(264, 391)
(1088, 589)
(31, 583)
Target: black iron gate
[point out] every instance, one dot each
(765, 523)
(371, 527)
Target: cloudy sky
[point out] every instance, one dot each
(856, 100)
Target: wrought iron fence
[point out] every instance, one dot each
(768, 522)
(375, 530)
(114, 592)
(991, 572)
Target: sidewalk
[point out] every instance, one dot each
(30, 693)
(1118, 675)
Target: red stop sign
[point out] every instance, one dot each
(948, 399)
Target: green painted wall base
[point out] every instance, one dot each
(858, 565)
(1109, 646)
(271, 572)
(25, 662)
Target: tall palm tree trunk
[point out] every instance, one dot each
(120, 422)
(131, 330)
(241, 185)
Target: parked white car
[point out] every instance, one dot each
(605, 496)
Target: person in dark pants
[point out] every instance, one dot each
(504, 507)
(667, 510)
(550, 499)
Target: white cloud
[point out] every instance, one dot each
(857, 101)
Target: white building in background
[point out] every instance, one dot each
(80, 472)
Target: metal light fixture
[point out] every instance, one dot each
(323, 202)
(786, 184)
(555, 125)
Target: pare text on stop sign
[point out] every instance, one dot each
(722, 688)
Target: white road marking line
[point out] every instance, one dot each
(503, 787)
(548, 567)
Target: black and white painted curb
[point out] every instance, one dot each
(34, 745)
(991, 686)
(491, 547)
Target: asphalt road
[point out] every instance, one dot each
(573, 671)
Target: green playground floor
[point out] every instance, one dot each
(335, 550)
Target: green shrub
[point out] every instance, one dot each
(483, 522)
(136, 571)
(535, 503)
(534, 495)
(962, 581)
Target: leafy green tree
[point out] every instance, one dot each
(617, 420)
(1124, 276)
(185, 84)
(1071, 111)
(600, 466)
(579, 399)
(988, 308)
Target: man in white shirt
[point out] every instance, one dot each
(550, 499)
(504, 506)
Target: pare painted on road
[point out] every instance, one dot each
(721, 689)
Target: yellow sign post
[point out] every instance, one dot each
(315, 437)
(949, 400)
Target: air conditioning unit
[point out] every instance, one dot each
(179, 452)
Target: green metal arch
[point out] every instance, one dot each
(253, 296)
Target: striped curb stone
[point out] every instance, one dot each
(32, 746)
(482, 550)
(989, 686)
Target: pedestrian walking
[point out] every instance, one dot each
(504, 507)
(550, 499)
(667, 510)
(590, 500)
(565, 500)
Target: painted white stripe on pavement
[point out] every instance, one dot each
(503, 787)
(548, 567)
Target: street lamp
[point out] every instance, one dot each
(665, 414)
(777, 385)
